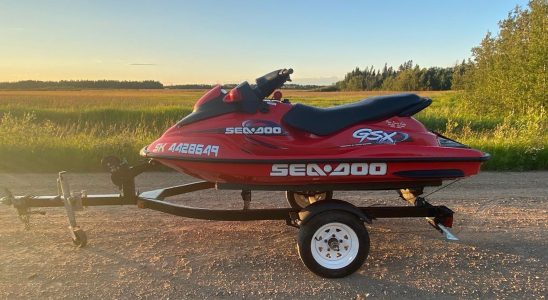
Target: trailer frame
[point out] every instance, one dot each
(122, 175)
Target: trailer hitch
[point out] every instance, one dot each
(20, 204)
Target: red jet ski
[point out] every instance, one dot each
(243, 139)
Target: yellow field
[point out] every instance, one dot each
(147, 98)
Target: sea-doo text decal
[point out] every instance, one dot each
(371, 136)
(342, 169)
(196, 149)
(254, 130)
(258, 127)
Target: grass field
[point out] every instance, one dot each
(72, 130)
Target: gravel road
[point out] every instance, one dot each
(501, 219)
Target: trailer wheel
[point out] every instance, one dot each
(333, 244)
(301, 200)
(79, 238)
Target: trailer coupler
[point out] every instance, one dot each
(23, 210)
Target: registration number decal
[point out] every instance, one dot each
(189, 148)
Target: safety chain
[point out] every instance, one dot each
(441, 188)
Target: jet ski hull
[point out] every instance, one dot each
(302, 171)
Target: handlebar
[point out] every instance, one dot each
(286, 72)
(268, 83)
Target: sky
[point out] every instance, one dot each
(178, 42)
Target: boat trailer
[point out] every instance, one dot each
(123, 176)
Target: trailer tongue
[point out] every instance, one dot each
(332, 240)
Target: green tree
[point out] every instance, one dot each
(509, 70)
(407, 77)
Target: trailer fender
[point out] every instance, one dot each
(331, 205)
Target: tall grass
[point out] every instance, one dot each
(515, 143)
(73, 130)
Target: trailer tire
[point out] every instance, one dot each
(333, 244)
(80, 239)
(301, 200)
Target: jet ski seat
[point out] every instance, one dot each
(326, 121)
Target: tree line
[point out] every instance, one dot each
(80, 84)
(118, 84)
(407, 77)
(227, 86)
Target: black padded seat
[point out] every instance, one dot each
(325, 121)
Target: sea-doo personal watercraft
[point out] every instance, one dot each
(242, 140)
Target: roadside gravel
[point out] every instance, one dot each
(501, 219)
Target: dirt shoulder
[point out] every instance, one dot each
(501, 218)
